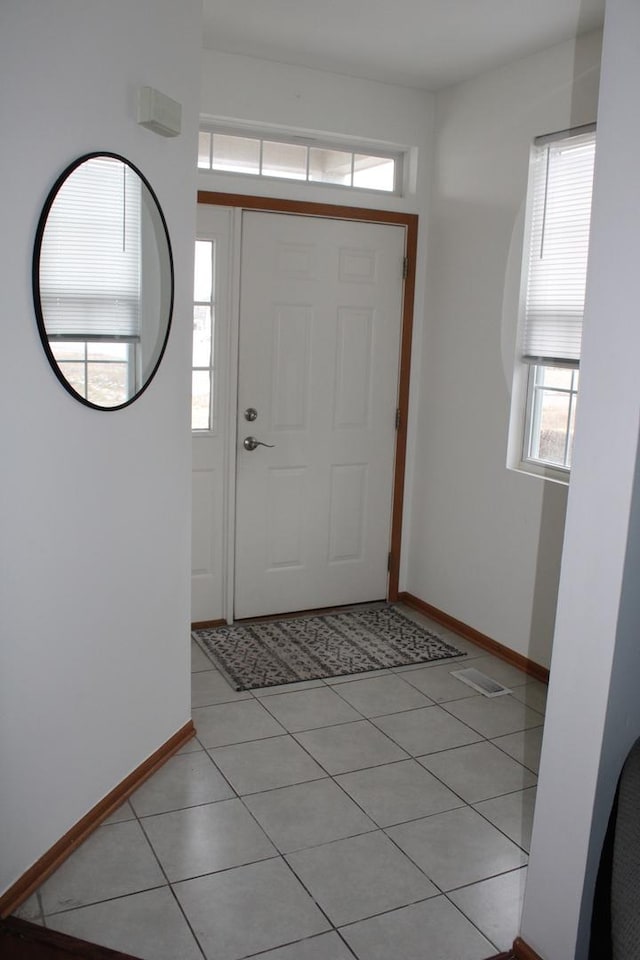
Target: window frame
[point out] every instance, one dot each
(533, 414)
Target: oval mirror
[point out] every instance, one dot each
(103, 281)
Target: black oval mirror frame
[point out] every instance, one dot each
(93, 317)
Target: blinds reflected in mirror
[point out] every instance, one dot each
(90, 258)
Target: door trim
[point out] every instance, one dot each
(331, 211)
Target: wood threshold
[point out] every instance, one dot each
(58, 853)
(469, 633)
(522, 951)
(410, 222)
(208, 624)
(519, 951)
(22, 940)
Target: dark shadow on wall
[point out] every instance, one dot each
(545, 591)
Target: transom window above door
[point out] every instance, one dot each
(311, 161)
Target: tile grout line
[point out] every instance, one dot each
(466, 886)
(170, 886)
(41, 907)
(472, 922)
(95, 903)
(291, 943)
(500, 830)
(494, 876)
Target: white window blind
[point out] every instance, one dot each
(90, 255)
(561, 181)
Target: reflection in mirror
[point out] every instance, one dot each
(103, 281)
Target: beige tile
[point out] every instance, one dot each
(524, 746)
(359, 877)
(512, 814)
(308, 709)
(350, 746)
(30, 910)
(494, 716)
(205, 839)
(495, 906)
(363, 675)
(234, 723)
(426, 730)
(307, 814)
(148, 925)
(377, 696)
(114, 861)
(265, 764)
(327, 946)
(457, 848)
(191, 746)
(249, 909)
(434, 929)
(533, 694)
(209, 687)
(184, 781)
(124, 812)
(199, 660)
(396, 792)
(478, 771)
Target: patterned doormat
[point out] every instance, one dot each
(308, 648)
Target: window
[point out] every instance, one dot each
(553, 292)
(90, 269)
(309, 161)
(99, 370)
(552, 410)
(202, 403)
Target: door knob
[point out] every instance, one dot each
(251, 413)
(250, 443)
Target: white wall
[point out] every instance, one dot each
(593, 714)
(486, 542)
(265, 94)
(94, 505)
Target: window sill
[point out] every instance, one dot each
(324, 184)
(545, 471)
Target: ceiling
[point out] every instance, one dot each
(427, 44)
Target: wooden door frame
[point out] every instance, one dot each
(333, 211)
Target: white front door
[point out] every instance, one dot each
(320, 323)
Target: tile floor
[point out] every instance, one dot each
(381, 816)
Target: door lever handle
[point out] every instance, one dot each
(250, 443)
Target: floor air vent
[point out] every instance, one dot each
(481, 682)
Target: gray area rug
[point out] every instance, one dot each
(273, 652)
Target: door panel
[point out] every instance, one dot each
(320, 322)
